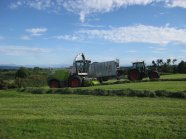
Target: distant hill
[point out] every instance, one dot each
(2, 67)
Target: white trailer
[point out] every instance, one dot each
(103, 69)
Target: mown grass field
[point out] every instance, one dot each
(41, 116)
(168, 77)
(155, 85)
(174, 76)
(24, 115)
(152, 86)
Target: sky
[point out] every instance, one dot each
(53, 32)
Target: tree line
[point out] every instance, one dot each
(23, 77)
(169, 66)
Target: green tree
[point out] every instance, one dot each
(168, 61)
(22, 73)
(161, 61)
(174, 61)
(154, 63)
(181, 67)
(158, 62)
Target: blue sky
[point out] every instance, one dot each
(49, 32)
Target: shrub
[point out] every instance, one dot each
(7, 85)
(22, 73)
(32, 81)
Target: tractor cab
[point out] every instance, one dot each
(81, 65)
(140, 66)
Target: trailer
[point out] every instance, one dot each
(85, 73)
(103, 70)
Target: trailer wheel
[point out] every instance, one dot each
(75, 81)
(134, 75)
(54, 84)
(153, 75)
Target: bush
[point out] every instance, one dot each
(181, 68)
(7, 85)
(22, 73)
(32, 81)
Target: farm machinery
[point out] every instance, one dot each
(138, 71)
(85, 73)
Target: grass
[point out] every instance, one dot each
(152, 86)
(174, 76)
(25, 115)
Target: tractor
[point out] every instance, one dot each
(75, 76)
(139, 71)
(85, 73)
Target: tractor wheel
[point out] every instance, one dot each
(134, 75)
(153, 75)
(100, 80)
(75, 81)
(54, 84)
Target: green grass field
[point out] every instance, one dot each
(173, 76)
(41, 116)
(152, 86)
(24, 115)
(165, 85)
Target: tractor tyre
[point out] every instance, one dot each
(134, 75)
(153, 75)
(54, 84)
(100, 80)
(75, 81)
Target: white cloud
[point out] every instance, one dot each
(36, 4)
(37, 31)
(67, 37)
(21, 50)
(86, 7)
(16, 4)
(138, 33)
(176, 3)
(86, 25)
(41, 4)
(25, 37)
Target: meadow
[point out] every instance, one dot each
(42, 116)
(57, 115)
